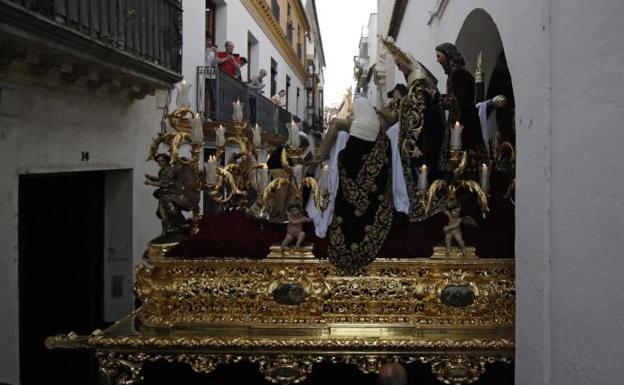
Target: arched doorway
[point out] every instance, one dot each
(479, 34)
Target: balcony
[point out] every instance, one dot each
(127, 42)
(271, 118)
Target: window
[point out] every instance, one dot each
(275, 8)
(287, 90)
(210, 20)
(273, 77)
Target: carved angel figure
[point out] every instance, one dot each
(453, 229)
(176, 192)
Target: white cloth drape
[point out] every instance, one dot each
(486, 129)
(322, 220)
(399, 189)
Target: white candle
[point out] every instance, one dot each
(325, 178)
(238, 111)
(256, 136)
(298, 171)
(211, 170)
(423, 183)
(182, 99)
(197, 134)
(264, 178)
(293, 140)
(485, 178)
(220, 136)
(456, 141)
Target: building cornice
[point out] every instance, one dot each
(261, 12)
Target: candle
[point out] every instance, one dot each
(423, 183)
(298, 171)
(211, 170)
(456, 141)
(264, 178)
(238, 111)
(256, 136)
(182, 98)
(293, 130)
(485, 178)
(325, 178)
(197, 134)
(220, 136)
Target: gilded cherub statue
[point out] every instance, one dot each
(294, 230)
(453, 229)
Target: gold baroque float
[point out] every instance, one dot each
(288, 312)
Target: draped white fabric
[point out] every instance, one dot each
(486, 129)
(322, 220)
(399, 189)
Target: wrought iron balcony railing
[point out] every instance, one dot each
(257, 109)
(144, 36)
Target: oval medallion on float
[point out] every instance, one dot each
(457, 296)
(289, 294)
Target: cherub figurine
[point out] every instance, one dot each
(453, 229)
(294, 230)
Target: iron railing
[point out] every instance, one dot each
(257, 108)
(150, 30)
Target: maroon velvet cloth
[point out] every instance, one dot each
(232, 234)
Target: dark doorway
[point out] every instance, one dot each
(61, 218)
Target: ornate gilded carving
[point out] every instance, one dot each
(459, 370)
(399, 291)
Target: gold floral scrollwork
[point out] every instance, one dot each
(286, 369)
(180, 139)
(311, 281)
(458, 370)
(119, 370)
(206, 363)
(165, 138)
(367, 364)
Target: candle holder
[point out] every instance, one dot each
(295, 183)
(233, 183)
(180, 179)
(449, 188)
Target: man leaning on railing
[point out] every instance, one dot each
(210, 73)
(256, 85)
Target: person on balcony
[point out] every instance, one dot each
(256, 85)
(280, 99)
(211, 77)
(229, 62)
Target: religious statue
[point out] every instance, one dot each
(421, 124)
(359, 216)
(460, 101)
(294, 229)
(175, 193)
(453, 229)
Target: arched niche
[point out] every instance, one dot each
(479, 34)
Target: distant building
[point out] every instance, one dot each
(316, 70)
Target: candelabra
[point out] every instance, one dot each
(242, 173)
(179, 179)
(459, 160)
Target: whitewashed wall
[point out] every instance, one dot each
(44, 131)
(565, 61)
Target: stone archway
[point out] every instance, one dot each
(479, 34)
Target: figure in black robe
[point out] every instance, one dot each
(362, 215)
(460, 101)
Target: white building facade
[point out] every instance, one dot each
(564, 59)
(254, 30)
